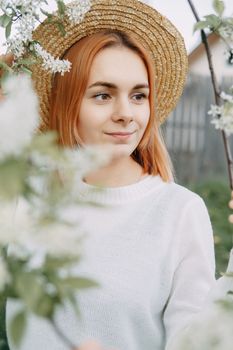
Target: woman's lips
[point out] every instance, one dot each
(120, 135)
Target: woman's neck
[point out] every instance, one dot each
(121, 172)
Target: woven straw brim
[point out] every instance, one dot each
(155, 32)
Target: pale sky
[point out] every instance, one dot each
(178, 11)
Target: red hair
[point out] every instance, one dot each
(68, 91)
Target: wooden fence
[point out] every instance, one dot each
(195, 146)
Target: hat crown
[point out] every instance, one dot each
(154, 31)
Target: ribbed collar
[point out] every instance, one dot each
(117, 195)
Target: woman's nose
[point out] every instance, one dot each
(122, 111)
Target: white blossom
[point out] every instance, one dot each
(3, 5)
(52, 64)
(26, 5)
(77, 10)
(223, 117)
(211, 330)
(224, 123)
(89, 158)
(26, 27)
(15, 46)
(57, 239)
(19, 116)
(24, 22)
(26, 236)
(226, 97)
(16, 222)
(4, 275)
(226, 31)
(215, 111)
(229, 55)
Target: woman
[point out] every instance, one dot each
(151, 247)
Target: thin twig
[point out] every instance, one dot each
(216, 94)
(62, 336)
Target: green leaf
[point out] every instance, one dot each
(17, 327)
(5, 66)
(228, 21)
(13, 173)
(53, 263)
(26, 61)
(19, 7)
(219, 7)
(45, 306)
(213, 21)
(73, 301)
(228, 274)
(42, 142)
(4, 20)
(30, 288)
(26, 70)
(61, 7)
(200, 25)
(8, 30)
(79, 282)
(47, 14)
(61, 28)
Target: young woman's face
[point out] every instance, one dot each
(115, 108)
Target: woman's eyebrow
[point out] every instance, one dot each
(104, 84)
(141, 86)
(113, 86)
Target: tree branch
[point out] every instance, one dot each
(216, 94)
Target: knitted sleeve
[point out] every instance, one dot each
(194, 274)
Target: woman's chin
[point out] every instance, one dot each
(121, 150)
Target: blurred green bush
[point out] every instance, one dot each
(216, 194)
(3, 341)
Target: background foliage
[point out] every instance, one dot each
(216, 195)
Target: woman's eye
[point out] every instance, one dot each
(101, 97)
(139, 97)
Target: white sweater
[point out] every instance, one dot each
(151, 249)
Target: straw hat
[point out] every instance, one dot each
(155, 32)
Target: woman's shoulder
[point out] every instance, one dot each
(182, 195)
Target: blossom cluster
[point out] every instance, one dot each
(25, 5)
(28, 239)
(50, 63)
(24, 15)
(226, 31)
(58, 236)
(222, 116)
(77, 10)
(41, 222)
(13, 112)
(229, 55)
(212, 330)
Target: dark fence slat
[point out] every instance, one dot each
(195, 146)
